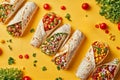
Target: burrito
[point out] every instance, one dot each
(65, 55)
(8, 8)
(17, 26)
(48, 24)
(97, 52)
(56, 40)
(106, 71)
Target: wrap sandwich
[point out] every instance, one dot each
(47, 25)
(56, 40)
(97, 52)
(65, 55)
(106, 71)
(8, 8)
(19, 23)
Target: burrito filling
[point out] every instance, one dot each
(105, 72)
(100, 51)
(50, 20)
(15, 29)
(61, 61)
(5, 10)
(52, 44)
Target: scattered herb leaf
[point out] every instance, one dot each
(10, 47)
(11, 61)
(68, 16)
(35, 61)
(58, 67)
(34, 54)
(10, 40)
(44, 68)
(32, 30)
(34, 65)
(59, 78)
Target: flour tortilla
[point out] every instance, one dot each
(24, 15)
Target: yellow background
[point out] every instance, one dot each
(79, 21)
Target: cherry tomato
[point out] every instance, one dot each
(26, 78)
(63, 7)
(46, 6)
(20, 56)
(26, 56)
(85, 6)
(0, 51)
(103, 26)
(118, 26)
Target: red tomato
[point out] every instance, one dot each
(85, 6)
(26, 78)
(0, 51)
(118, 26)
(26, 56)
(103, 26)
(46, 6)
(63, 7)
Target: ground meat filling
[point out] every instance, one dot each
(15, 29)
(5, 9)
(51, 45)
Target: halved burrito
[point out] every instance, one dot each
(48, 24)
(8, 8)
(98, 51)
(17, 26)
(56, 40)
(106, 71)
(65, 55)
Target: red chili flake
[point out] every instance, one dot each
(20, 56)
(107, 31)
(118, 48)
(63, 7)
(26, 56)
(97, 26)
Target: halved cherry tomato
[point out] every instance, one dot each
(63, 7)
(26, 78)
(85, 6)
(118, 26)
(103, 26)
(46, 6)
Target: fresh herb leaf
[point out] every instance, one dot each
(34, 54)
(11, 74)
(59, 78)
(34, 65)
(32, 30)
(58, 67)
(11, 61)
(35, 61)
(10, 40)
(44, 68)
(67, 16)
(10, 47)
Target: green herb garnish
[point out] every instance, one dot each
(11, 61)
(34, 55)
(10, 40)
(44, 68)
(59, 78)
(68, 16)
(32, 30)
(58, 67)
(110, 9)
(11, 74)
(10, 47)
(35, 61)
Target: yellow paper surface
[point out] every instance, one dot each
(79, 21)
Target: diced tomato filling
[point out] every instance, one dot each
(100, 51)
(51, 45)
(50, 21)
(15, 29)
(61, 61)
(5, 9)
(105, 72)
